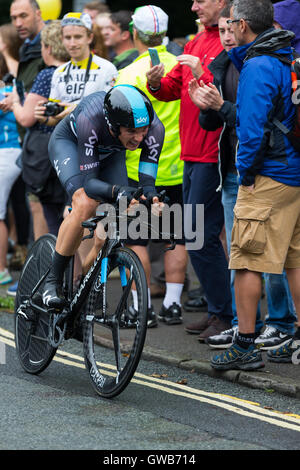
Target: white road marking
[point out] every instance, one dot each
(232, 404)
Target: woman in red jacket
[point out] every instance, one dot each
(202, 179)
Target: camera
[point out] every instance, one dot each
(8, 79)
(52, 109)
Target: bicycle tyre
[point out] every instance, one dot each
(111, 383)
(31, 337)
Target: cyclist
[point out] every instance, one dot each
(88, 149)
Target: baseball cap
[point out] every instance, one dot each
(77, 19)
(150, 19)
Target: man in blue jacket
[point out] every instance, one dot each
(266, 231)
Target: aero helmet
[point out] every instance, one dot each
(126, 105)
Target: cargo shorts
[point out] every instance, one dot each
(266, 230)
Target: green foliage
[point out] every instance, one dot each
(7, 304)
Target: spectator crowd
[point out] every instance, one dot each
(225, 100)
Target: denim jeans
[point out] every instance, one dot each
(200, 183)
(281, 310)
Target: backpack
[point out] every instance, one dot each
(294, 134)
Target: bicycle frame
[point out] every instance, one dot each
(76, 302)
(73, 310)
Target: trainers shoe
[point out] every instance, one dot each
(238, 358)
(284, 353)
(215, 327)
(129, 318)
(151, 318)
(5, 277)
(170, 315)
(272, 338)
(224, 340)
(12, 290)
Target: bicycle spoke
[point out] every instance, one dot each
(123, 300)
(116, 342)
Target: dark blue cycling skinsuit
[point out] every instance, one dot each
(82, 148)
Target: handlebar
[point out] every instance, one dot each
(91, 224)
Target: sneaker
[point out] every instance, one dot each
(224, 340)
(128, 319)
(5, 277)
(12, 290)
(170, 315)
(272, 338)
(151, 318)
(284, 353)
(238, 358)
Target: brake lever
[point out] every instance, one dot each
(91, 225)
(173, 245)
(162, 195)
(139, 192)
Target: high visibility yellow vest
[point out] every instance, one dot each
(170, 167)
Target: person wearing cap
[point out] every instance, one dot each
(118, 38)
(150, 24)
(84, 74)
(201, 180)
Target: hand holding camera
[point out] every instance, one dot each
(52, 109)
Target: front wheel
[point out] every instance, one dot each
(31, 328)
(110, 378)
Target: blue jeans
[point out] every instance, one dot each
(281, 310)
(200, 183)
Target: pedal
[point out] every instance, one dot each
(25, 313)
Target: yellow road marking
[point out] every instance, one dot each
(224, 401)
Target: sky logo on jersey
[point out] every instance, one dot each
(153, 147)
(90, 146)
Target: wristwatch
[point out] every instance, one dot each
(153, 89)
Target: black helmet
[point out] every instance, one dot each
(126, 105)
